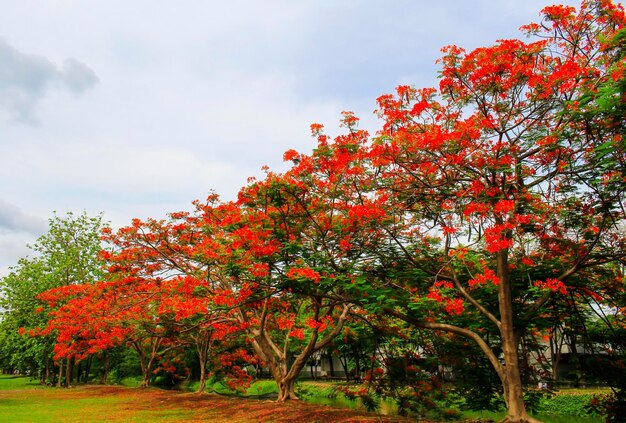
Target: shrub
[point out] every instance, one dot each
(566, 404)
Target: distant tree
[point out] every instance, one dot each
(66, 256)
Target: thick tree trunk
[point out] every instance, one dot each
(286, 390)
(512, 383)
(285, 380)
(510, 374)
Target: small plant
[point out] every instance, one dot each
(612, 405)
(536, 398)
(306, 391)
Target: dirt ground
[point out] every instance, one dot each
(136, 404)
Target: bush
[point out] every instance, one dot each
(612, 405)
(306, 391)
(262, 387)
(566, 404)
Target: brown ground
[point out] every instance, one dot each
(135, 404)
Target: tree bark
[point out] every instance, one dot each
(202, 384)
(59, 380)
(79, 371)
(145, 382)
(203, 346)
(509, 373)
(146, 365)
(285, 377)
(88, 368)
(286, 390)
(105, 368)
(69, 370)
(46, 374)
(332, 365)
(344, 364)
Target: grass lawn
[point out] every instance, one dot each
(24, 401)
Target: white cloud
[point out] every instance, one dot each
(13, 219)
(25, 79)
(17, 229)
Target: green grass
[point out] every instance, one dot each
(30, 408)
(258, 388)
(545, 418)
(130, 381)
(262, 387)
(565, 406)
(92, 409)
(123, 404)
(36, 403)
(25, 400)
(18, 382)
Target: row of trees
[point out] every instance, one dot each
(482, 210)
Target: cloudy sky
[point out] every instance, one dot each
(136, 108)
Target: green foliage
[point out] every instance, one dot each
(612, 405)
(475, 379)
(537, 399)
(310, 391)
(129, 381)
(67, 254)
(125, 365)
(565, 404)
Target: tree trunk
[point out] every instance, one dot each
(146, 366)
(203, 376)
(511, 377)
(88, 368)
(69, 369)
(147, 371)
(357, 368)
(105, 368)
(286, 390)
(145, 382)
(79, 372)
(344, 364)
(203, 346)
(332, 365)
(59, 381)
(512, 383)
(285, 381)
(46, 374)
